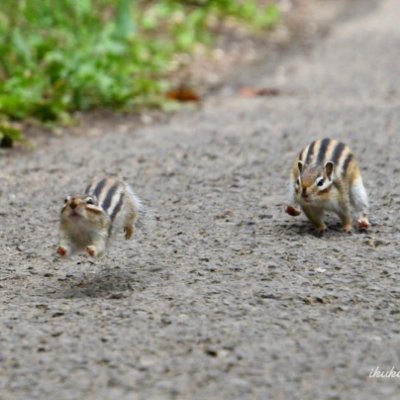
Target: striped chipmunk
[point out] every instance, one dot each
(326, 177)
(88, 221)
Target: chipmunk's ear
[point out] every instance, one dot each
(300, 166)
(329, 169)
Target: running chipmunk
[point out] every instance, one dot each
(88, 221)
(326, 177)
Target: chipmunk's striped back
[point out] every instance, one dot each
(323, 150)
(109, 193)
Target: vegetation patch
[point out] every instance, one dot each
(58, 57)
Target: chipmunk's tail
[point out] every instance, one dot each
(146, 216)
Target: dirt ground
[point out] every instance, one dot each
(222, 296)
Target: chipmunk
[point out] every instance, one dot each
(326, 177)
(88, 221)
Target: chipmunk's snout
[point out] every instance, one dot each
(73, 204)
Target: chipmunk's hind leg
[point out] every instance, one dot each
(129, 230)
(359, 200)
(129, 222)
(134, 206)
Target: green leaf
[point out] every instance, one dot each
(124, 24)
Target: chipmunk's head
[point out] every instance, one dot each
(314, 182)
(80, 207)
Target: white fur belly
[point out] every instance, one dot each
(81, 235)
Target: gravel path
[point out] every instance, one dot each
(224, 296)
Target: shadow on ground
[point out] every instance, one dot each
(101, 282)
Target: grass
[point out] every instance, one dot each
(59, 57)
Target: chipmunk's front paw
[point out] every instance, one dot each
(294, 212)
(348, 228)
(321, 231)
(62, 251)
(92, 251)
(363, 223)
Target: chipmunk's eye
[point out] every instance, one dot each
(298, 182)
(320, 182)
(66, 200)
(89, 200)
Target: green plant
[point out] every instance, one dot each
(61, 56)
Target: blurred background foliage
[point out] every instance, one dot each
(62, 56)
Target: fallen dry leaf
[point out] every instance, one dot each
(183, 94)
(258, 92)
